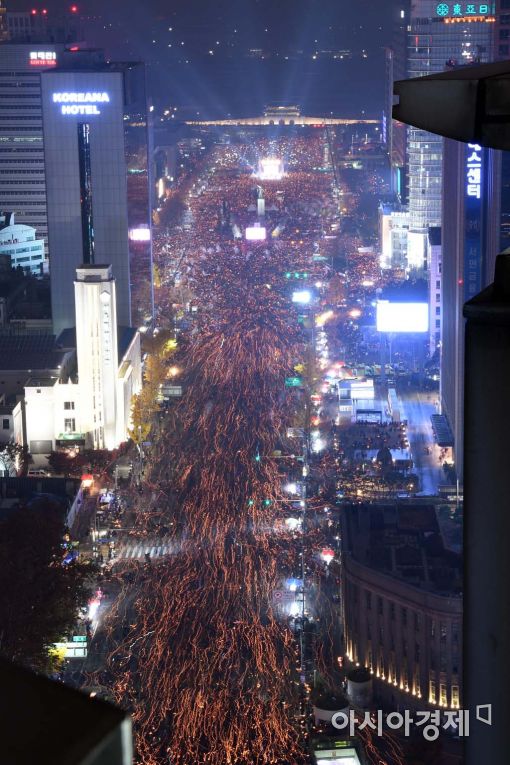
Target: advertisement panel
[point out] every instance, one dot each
(473, 220)
(402, 317)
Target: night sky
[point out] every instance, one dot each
(175, 37)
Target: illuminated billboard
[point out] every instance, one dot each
(402, 317)
(270, 169)
(302, 296)
(141, 234)
(255, 234)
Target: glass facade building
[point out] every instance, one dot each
(440, 35)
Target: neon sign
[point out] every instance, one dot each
(474, 171)
(473, 250)
(464, 9)
(43, 58)
(80, 103)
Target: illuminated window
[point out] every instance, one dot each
(432, 692)
(455, 696)
(442, 694)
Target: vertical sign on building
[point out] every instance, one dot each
(473, 220)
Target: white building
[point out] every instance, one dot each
(20, 243)
(95, 411)
(393, 233)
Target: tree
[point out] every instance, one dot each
(64, 464)
(160, 348)
(39, 594)
(18, 455)
(98, 460)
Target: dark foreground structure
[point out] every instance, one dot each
(473, 105)
(45, 722)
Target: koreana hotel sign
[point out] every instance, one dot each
(80, 103)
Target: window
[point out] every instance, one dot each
(432, 692)
(438, 323)
(404, 615)
(455, 696)
(68, 405)
(503, 50)
(5, 424)
(379, 606)
(438, 284)
(504, 34)
(368, 596)
(417, 651)
(70, 425)
(442, 694)
(438, 310)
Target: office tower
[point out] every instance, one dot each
(77, 171)
(139, 149)
(96, 163)
(22, 175)
(439, 35)
(470, 243)
(394, 132)
(39, 25)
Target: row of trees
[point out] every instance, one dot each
(159, 349)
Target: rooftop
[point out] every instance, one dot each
(30, 352)
(125, 335)
(403, 540)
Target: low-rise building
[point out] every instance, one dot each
(92, 407)
(19, 242)
(403, 603)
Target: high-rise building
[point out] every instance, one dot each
(470, 243)
(74, 160)
(440, 34)
(38, 25)
(394, 132)
(22, 173)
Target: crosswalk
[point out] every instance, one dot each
(157, 547)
